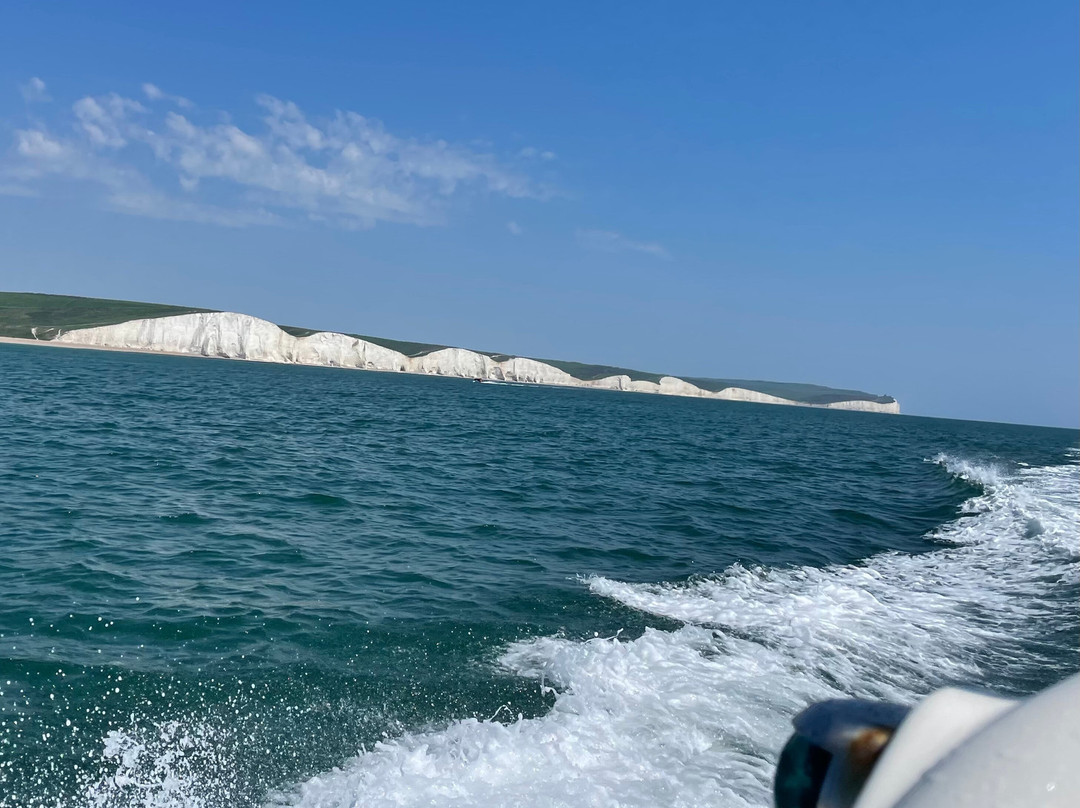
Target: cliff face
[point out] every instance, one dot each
(240, 336)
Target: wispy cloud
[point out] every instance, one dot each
(345, 170)
(16, 190)
(613, 242)
(533, 153)
(514, 228)
(44, 160)
(34, 90)
(155, 93)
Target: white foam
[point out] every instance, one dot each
(696, 716)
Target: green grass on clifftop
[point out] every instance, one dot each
(793, 391)
(51, 314)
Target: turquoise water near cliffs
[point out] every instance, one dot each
(234, 584)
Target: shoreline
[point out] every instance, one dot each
(49, 343)
(57, 343)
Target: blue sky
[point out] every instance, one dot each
(870, 195)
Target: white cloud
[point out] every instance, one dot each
(346, 170)
(514, 228)
(47, 160)
(37, 145)
(612, 242)
(155, 93)
(34, 90)
(531, 152)
(103, 120)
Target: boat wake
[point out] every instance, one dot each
(696, 715)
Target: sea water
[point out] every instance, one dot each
(233, 584)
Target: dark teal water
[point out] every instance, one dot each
(232, 584)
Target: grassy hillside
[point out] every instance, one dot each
(50, 314)
(21, 311)
(808, 393)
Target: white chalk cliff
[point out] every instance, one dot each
(241, 336)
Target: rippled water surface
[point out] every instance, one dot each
(232, 584)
